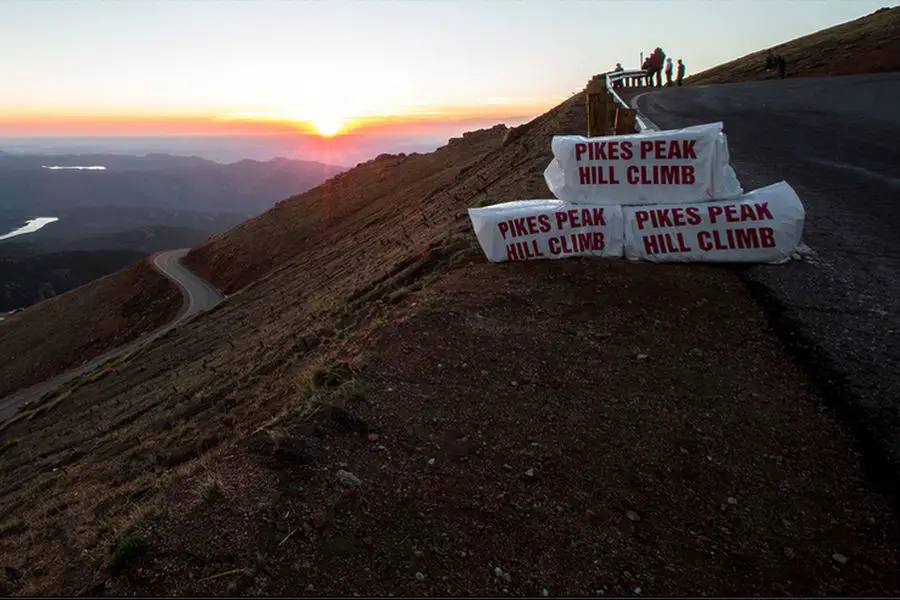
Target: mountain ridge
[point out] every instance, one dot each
(147, 161)
(869, 44)
(158, 180)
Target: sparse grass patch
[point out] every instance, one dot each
(332, 385)
(336, 385)
(129, 547)
(211, 488)
(332, 377)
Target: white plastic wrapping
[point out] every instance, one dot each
(547, 229)
(659, 167)
(765, 225)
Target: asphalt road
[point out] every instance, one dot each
(198, 295)
(835, 141)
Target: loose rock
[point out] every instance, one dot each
(632, 516)
(839, 558)
(348, 479)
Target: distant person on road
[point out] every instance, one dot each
(680, 71)
(646, 67)
(669, 69)
(770, 60)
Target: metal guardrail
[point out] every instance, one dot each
(607, 113)
(626, 75)
(613, 76)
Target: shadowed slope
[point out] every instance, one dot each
(870, 44)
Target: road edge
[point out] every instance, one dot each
(880, 464)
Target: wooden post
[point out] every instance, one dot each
(625, 121)
(601, 110)
(611, 110)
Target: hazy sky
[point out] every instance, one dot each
(331, 59)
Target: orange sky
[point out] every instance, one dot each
(88, 68)
(415, 122)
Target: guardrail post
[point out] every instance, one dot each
(601, 109)
(625, 121)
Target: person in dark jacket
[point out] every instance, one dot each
(681, 69)
(618, 69)
(659, 63)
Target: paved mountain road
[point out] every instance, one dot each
(199, 295)
(835, 141)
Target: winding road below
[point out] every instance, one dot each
(835, 141)
(198, 296)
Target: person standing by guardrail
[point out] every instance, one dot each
(618, 83)
(668, 72)
(681, 69)
(657, 62)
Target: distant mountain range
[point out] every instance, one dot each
(154, 180)
(134, 207)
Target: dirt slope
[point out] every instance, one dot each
(579, 425)
(75, 327)
(870, 44)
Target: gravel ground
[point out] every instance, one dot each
(645, 435)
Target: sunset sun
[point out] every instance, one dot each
(328, 126)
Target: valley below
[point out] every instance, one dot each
(107, 212)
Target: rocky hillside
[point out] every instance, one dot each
(375, 409)
(79, 325)
(870, 44)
